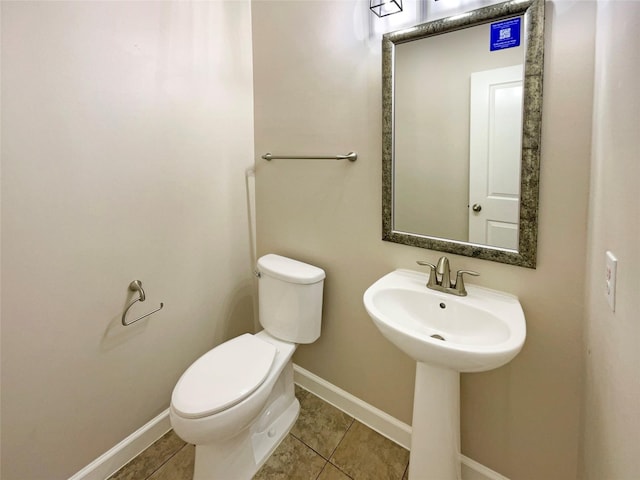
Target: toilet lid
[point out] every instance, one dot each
(223, 376)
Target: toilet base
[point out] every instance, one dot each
(240, 457)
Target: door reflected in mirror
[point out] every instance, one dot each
(461, 127)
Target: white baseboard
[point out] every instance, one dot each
(383, 423)
(472, 470)
(376, 419)
(118, 456)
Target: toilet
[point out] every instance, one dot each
(236, 402)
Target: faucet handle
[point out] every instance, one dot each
(460, 281)
(470, 272)
(433, 280)
(425, 264)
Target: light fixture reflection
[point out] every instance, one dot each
(382, 8)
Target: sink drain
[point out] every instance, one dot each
(438, 337)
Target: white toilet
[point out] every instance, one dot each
(236, 402)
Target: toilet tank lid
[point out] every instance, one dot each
(289, 270)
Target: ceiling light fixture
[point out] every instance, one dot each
(382, 8)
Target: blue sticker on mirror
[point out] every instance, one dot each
(505, 34)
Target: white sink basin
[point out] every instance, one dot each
(479, 332)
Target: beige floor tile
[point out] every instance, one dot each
(151, 459)
(361, 453)
(331, 472)
(292, 460)
(320, 425)
(179, 467)
(366, 455)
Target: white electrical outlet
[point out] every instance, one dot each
(610, 278)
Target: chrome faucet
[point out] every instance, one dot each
(440, 277)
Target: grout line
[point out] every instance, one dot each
(341, 471)
(309, 447)
(368, 415)
(338, 445)
(314, 451)
(166, 461)
(406, 471)
(343, 435)
(336, 467)
(328, 457)
(322, 470)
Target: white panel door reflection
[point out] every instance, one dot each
(494, 156)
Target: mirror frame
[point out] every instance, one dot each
(533, 12)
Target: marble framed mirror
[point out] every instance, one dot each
(462, 109)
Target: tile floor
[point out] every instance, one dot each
(324, 444)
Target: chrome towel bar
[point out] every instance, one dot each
(136, 286)
(351, 156)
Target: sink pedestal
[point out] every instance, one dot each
(445, 334)
(435, 437)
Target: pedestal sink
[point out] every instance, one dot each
(446, 335)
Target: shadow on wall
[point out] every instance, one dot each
(238, 318)
(115, 334)
(241, 307)
(239, 312)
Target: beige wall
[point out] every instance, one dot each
(611, 420)
(126, 131)
(317, 90)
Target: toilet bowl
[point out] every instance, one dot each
(236, 403)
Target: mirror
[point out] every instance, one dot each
(462, 100)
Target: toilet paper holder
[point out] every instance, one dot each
(136, 286)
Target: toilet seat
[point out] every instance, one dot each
(223, 377)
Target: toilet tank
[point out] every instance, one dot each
(290, 298)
